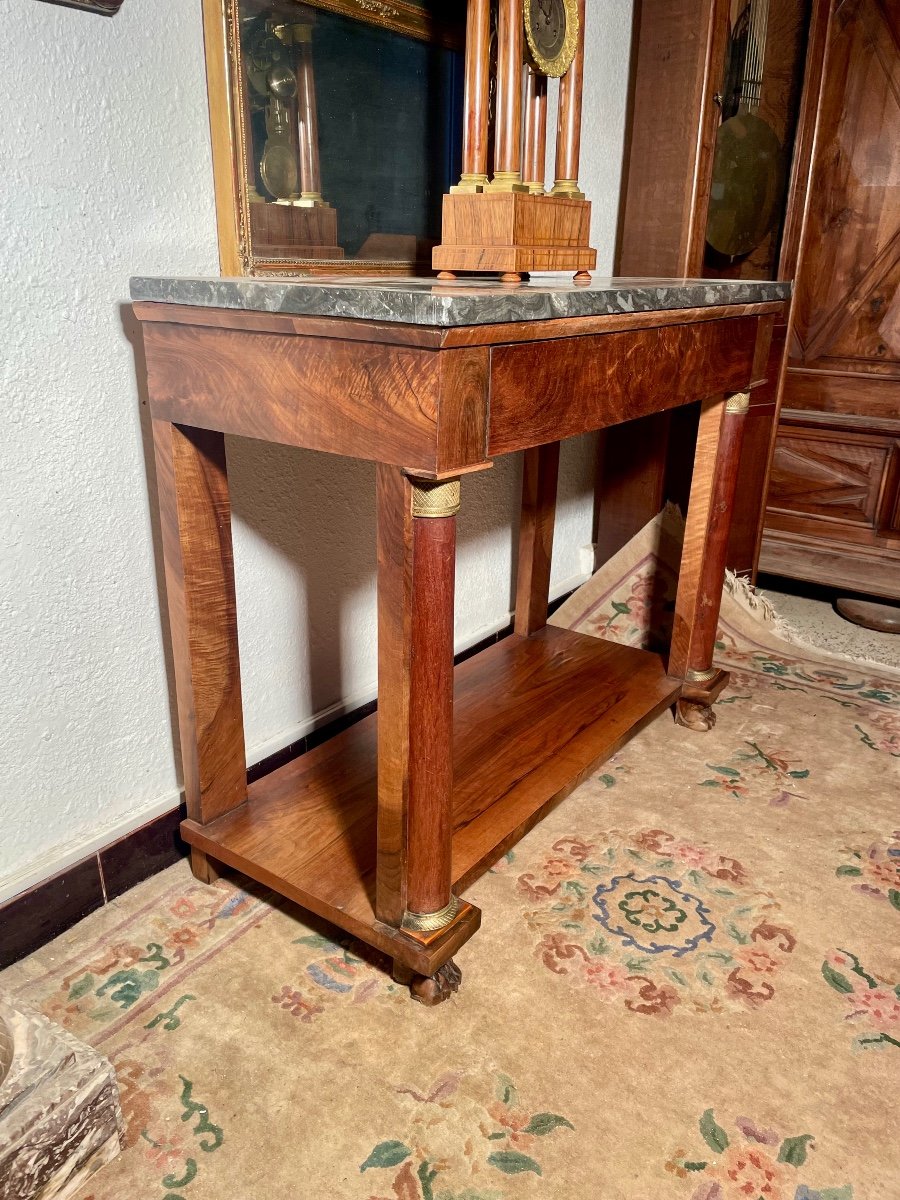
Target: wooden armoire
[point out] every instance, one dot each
(833, 508)
(824, 77)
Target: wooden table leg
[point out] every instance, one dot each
(539, 485)
(416, 564)
(699, 596)
(196, 531)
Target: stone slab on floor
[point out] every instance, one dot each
(60, 1119)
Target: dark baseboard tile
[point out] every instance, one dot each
(35, 917)
(142, 853)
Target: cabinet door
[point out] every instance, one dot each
(846, 309)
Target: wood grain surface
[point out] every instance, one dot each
(706, 532)
(395, 584)
(477, 88)
(392, 404)
(195, 516)
(508, 96)
(568, 124)
(532, 717)
(587, 383)
(540, 477)
(430, 770)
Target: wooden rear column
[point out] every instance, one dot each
(508, 114)
(539, 485)
(568, 128)
(196, 530)
(535, 135)
(699, 599)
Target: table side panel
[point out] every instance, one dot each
(360, 399)
(463, 407)
(545, 391)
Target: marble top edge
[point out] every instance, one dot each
(418, 301)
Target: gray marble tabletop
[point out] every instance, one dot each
(456, 302)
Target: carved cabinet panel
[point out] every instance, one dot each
(834, 477)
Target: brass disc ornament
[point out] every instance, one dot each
(551, 30)
(747, 185)
(278, 168)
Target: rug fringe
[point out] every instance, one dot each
(761, 608)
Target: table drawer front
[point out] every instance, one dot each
(544, 391)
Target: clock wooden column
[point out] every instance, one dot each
(506, 224)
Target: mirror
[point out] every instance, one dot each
(335, 127)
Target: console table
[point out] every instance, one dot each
(381, 829)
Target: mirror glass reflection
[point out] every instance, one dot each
(351, 134)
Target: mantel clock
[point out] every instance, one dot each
(508, 221)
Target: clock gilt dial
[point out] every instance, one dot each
(551, 29)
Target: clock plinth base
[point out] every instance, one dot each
(514, 233)
(292, 230)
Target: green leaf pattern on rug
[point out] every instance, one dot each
(510, 1141)
(123, 975)
(207, 1136)
(754, 769)
(873, 1001)
(386, 1154)
(751, 1163)
(714, 1135)
(873, 707)
(654, 923)
(170, 1019)
(874, 869)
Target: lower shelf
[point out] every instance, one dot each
(532, 718)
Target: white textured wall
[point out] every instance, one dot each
(106, 172)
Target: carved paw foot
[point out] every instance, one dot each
(699, 717)
(437, 988)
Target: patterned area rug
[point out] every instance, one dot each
(686, 986)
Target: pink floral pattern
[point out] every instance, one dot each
(872, 1001)
(655, 923)
(875, 869)
(333, 976)
(752, 1163)
(457, 1144)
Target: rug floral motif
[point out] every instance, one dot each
(501, 1137)
(872, 1002)
(654, 923)
(686, 985)
(750, 1162)
(874, 870)
(779, 774)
